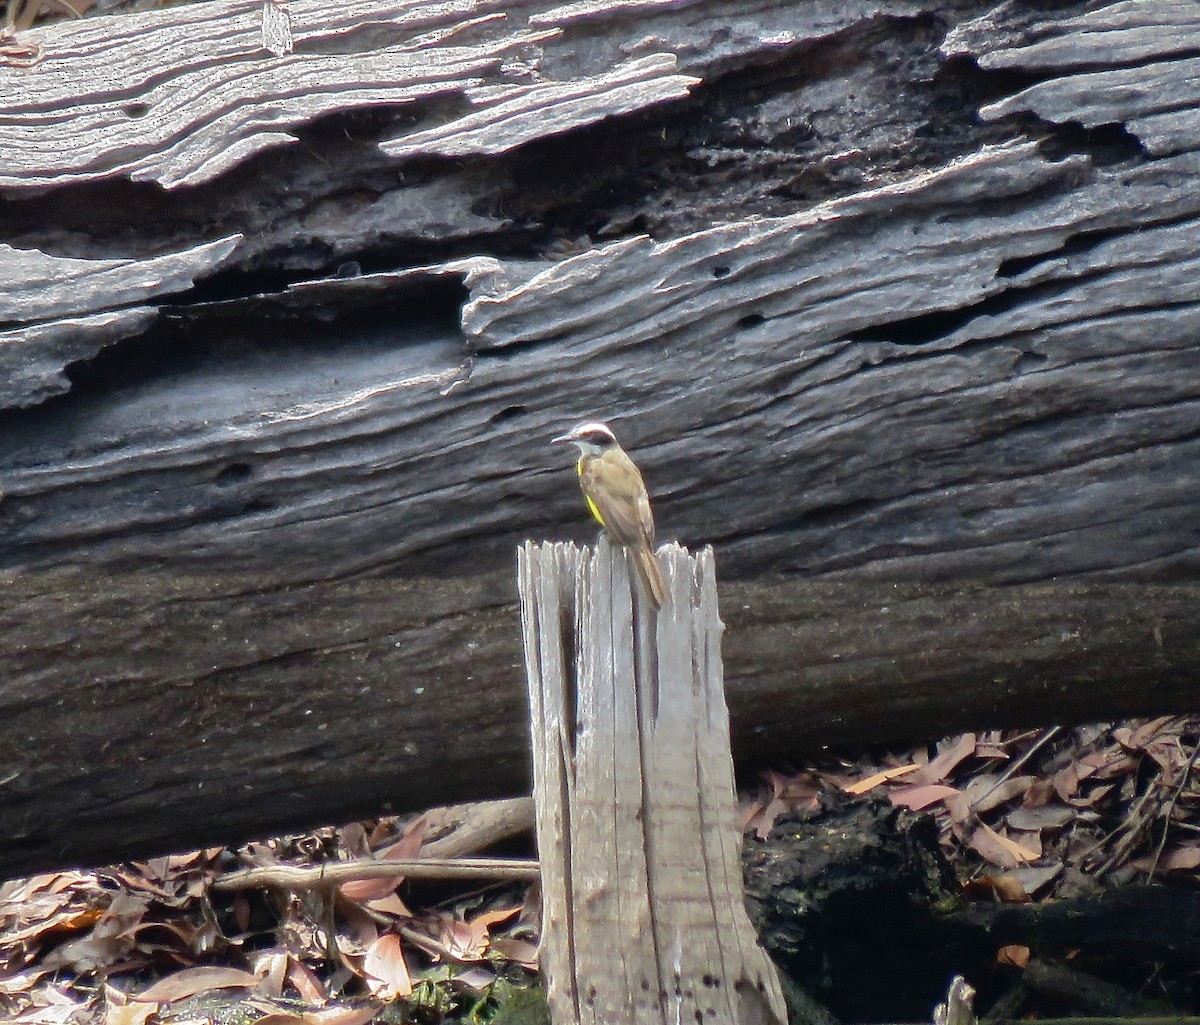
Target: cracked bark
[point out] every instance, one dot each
(273, 426)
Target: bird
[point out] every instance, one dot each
(616, 495)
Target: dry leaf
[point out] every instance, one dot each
(1030, 842)
(1034, 877)
(761, 817)
(917, 797)
(21, 982)
(342, 1015)
(110, 942)
(948, 758)
(390, 905)
(1045, 816)
(1066, 781)
(985, 793)
(999, 850)
(1040, 792)
(191, 981)
(1181, 859)
(271, 968)
(408, 846)
(871, 782)
(521, 951)
(478, 979)
(129, 1014)
(468, 941)
(1013, 955)
(1005, 889)
(385, 968)
(1096, 793)
(307, 983)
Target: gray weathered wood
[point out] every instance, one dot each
(68, 310)
(643, 910)
(1128, 63)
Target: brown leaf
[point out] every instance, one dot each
(390, 905)
(948, 759)
(997, 849)
(342, 1015)
(468, 941)
(761, 817)
(478, 979)
(190, 981)
(307, 983)
(1040, 792)
(1031, 842)
(1141, 736)
(408, 846)
(1013, 955)
(1047, 816)
(916, 798)
(1096, 793)
(271, 969)
(984, 793)
(1034, 877)
(385, 968)
(1066, 781)
(110, 942)
(872, 781)
(118, 1011)
(521, 951)
(21, 982)
(1005, 889)
(1181, 859)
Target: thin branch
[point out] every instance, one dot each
(1170, 810)
(1045, 739)
(297, 878)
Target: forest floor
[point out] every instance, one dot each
(1038, 815)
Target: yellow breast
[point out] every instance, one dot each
(590, 504)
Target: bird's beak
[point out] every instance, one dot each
(561, 437)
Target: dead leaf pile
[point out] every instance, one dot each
(1022, 814)
(78, 947)
(1052, 812)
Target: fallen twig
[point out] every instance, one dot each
(297, 878)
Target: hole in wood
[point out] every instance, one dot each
(1029, 361)
(508, 413)
(234, 473)
(135, 110)
(750, 320)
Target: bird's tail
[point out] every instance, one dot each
(651, 574)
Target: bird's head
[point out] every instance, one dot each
(592, 439)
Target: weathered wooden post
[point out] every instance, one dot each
(633, 782)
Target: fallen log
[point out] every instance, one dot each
(929, 384)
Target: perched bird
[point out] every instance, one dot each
(616, 495)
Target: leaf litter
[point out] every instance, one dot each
(1022, 815)
(1116, 802)
(147, 942)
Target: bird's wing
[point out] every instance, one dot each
(621, 499)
